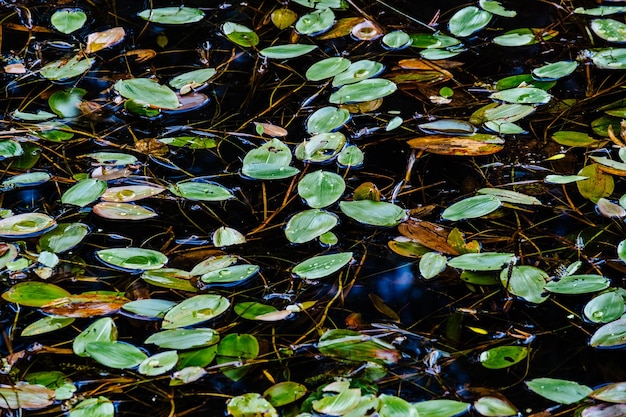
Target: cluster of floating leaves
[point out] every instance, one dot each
(190, 339)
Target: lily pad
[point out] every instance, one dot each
(441, 408)
(495, 407)
(472, 207)
(63, 238)
(448, 126)
(315, 22)
(128, 193)
(508, 196)
(147, 92)
(93, 407)
(432, 264)
(374, 213)
(240, 34)
(118, 355)
(150, 308)
(250, 404)
(322, 266)
(122, 211)
(358, 71)
(194, 310)
(468, 20)
(26, 225)
(230, 276)
(172, 15)
(525, 281)
(284, 393)
(27, 179)
(321, 147)
(555, 70)
(495, 7)
(46, 325)
(101, 330)
(237, 347)
(194, 78)
(609, 58)
(366, 90)
(610, 30)
(523, 95)
(486, 261)
(327, 68)
(613, 393)
(84, 192)
(350, 156)
(200, 190)
(561, 391)
(158, 364)
(33, 293)
(66, 68)
(503, 356)
(475, 145)
(597, 185)
(397, 39)
(327, 119)
(288, 51)
(321, 188)
(184, 338)
(610, 335)
(172, 278)
(68, 20)
(308, 225)
(25, 396)
(132, 258)
(578, 284)
(251, 310)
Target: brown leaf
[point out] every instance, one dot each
(428, 234)
(458, 145)
(383, 308)
(24, 395)
(271, 130)
(101, 40)
(141, 55)
(404, 76)
(18, 68)
(342, 27)
(85, 305)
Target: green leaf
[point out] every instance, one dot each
(597, 185)
(561, 391)
(63, 387)
(468, 20)
(610, 30)
(573, 138)
(65, 102)
(251, 310)
(184, 338)
(213, 263)
(338, 404)
(68, 20)
(392, 406)
(609, 58)
(448, 126)
(432, 264)
(147, 92)
(284, 393)
(118, 355)
(194, 310)
(27, 179)
(508, 196)
(610, 335)
(600, 10)
(353, 346)
(375, 213)
(358, 71)
(41, 115)
(84, 192)
(293, 50)
(522, 95)
(309, 224)
(24, 396)
(268, 171)
(200, 190)
(195, 78)
(122, 211)
(10, 149)
(495, 407)
(322, 266)
(149, 307)
(321, 188)
(366, 90)
(175, 279)
(237, 347)
(350, 156)
(93, 407)
(503, 356)
(191, 142)
(613, 393)
(525, 281)
(46, 325)
(516, 37)
(197, 357)
(273, 152)
(132, 258)
(158, 364)
(230, 276)
(321, 147)
(578, 284)
(397, 39)
(251, 404)
(327, 119)
(172, 15)
(66, 68)
(514, 81)
(315, 22)
(555, 70)
(33, 293)
(240, 34)
(327, 68)
(496, 8)
(440, 408)
(227, 236)
(487, 261)
(472, 207)
(563, 179)
(101, 330)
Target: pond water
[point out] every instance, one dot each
(406, 330)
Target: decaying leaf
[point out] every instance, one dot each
(475, 145)
(429, 234)
(101, 40)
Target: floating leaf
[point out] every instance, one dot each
(609, 58)
(503, 356)
(66, 68)
(321, 147)
(525, 281)
(308, 225)
(392, 406)
(46, 325)
(610, 335)
(85, 305)
(194, 78)
(158, 364)
(613, 393)
(68, 20)
(118, 355)
(448, 126)
(65, 103)
(200, 190)
(122, 211)
(213, 263)
(41, 115)
(353, 346)
(350, 156)
(100, 40)
(495, 407)
(522, 95)
(358, 71)
(432, 264)
(283, 18)
(84, 192)
(284, 393)
(516, 37)
(486, 261)
(555, 70)
(250, 404)
(293, 50)
(321, 188)
(33, 293)
(184, 338)
(172, 278)
(322, 266)
(240, 34)
(563, 179)
(172, 15)
(600, 10)
(251, 310)
(610, 209)
(578, 284)
(610, 30)
(374, 213)
(231, 275)
(191, 142)
(132, 258)
(25, 396)
(147, 92)
(440, 408)
(572, 138)
(495, 7)
(315, 22)
(597, 185)
(237, 347)
(475, 145)
(327, 119)
(269, 161)
(397, 39)
(472, 207)
(150, 308)
(101, 330)
(327, 68)
(508, 196)
(366, 90)
(128, 193)
(227, 236)
(561, 391)
(10, 149)
(468, 20)
(194, 310)
(93, 407)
